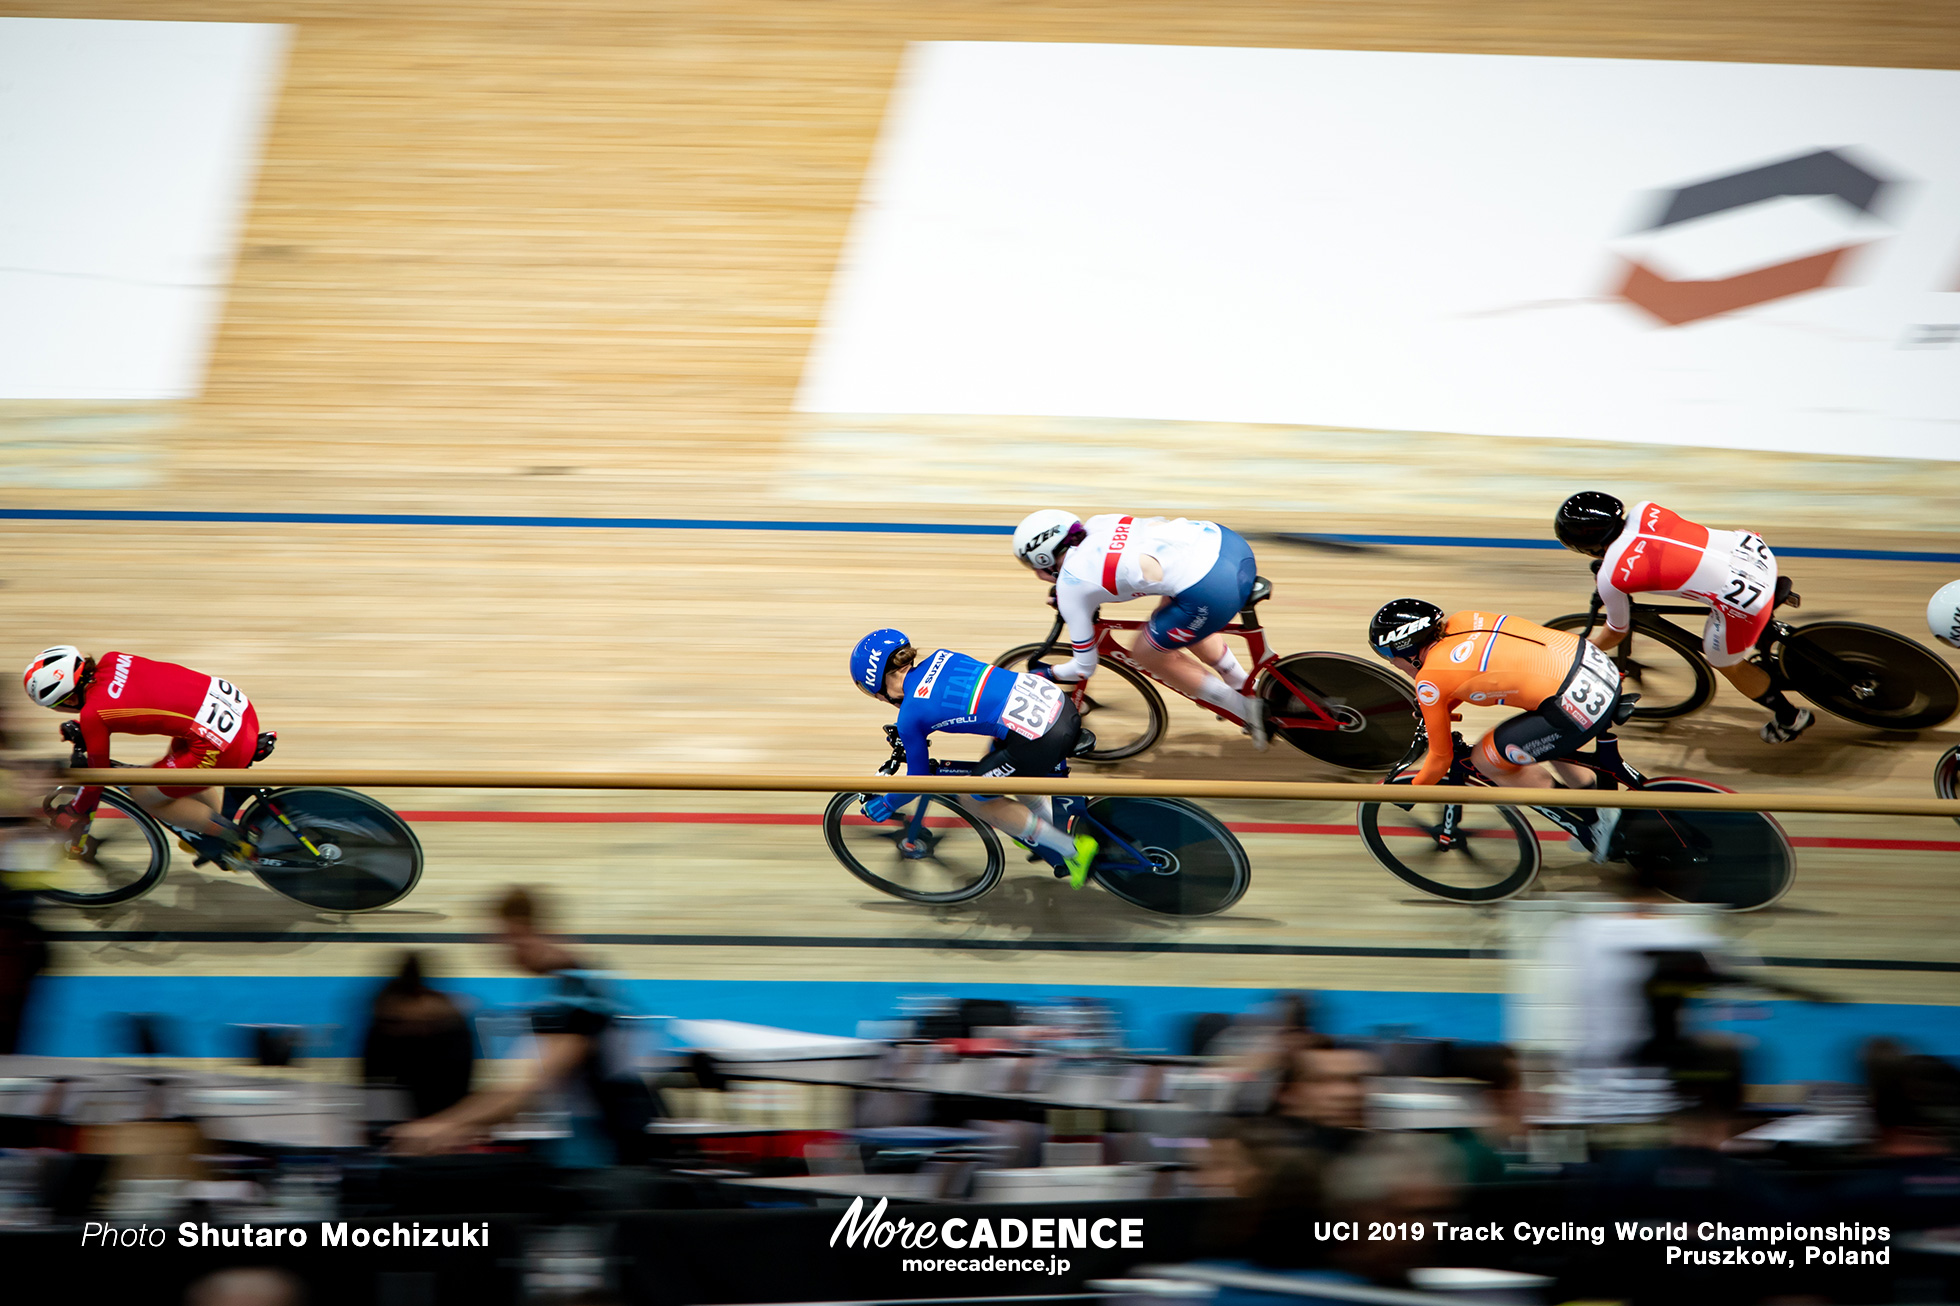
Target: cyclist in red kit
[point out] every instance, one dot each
(1652, 550)
(209, 722)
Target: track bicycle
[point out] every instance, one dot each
(1162, 854)
(1741, 861)
(1860, 672)
(328, 848)
(1341, 709)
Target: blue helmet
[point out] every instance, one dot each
(869, 659)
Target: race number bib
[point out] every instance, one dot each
(223, 712)
(1594, 684)
(1032, 706)
(1752, 577)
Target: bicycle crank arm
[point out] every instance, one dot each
(293, 830)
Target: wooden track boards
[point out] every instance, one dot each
(566, 259)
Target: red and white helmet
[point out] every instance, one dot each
(56, 674)
(1042, 536)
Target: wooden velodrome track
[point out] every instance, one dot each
(565, 259)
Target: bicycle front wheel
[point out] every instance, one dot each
(1119, 705)
(335, 850)
(1375, 709)
(954, 857)
(1869, 675)
(1658, 661)
(1946, 776)
(1454, 851)
(1739, 861)
(1196, 866)
(126, 857)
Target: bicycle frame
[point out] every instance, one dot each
(914, 843)
(1263, 660)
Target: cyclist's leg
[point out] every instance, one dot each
(1511, 755)
(1191, 620)
(1728, 642)
(1046, 756)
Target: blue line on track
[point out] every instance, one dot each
(848, 527)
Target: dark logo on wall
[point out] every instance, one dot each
(1823, 173)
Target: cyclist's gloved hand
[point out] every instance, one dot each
(1051, 596)
(1043, 670)
(878, 809)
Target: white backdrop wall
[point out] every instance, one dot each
(126, 160)
(1416, 242)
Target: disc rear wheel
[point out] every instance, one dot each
(1373, 710)
(1946, 776)
(1197, 867)
(335, 849)
(1869, 675)
(1739, 861)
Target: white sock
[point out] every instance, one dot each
(1220, 694)
(1051, 838)
(1229, 668)
(1042, 807)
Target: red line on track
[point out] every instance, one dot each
(1241, 827)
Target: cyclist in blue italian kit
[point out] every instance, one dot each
(1035, 723)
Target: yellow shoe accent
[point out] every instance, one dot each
(1086, 849)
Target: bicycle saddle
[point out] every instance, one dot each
(1084, 743)
(1624, 712)
(1262, 589)
(1785, 595)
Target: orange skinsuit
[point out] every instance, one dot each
(1486, 659)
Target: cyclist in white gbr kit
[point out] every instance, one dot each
(1200, 572)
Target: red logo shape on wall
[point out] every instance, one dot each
(1677, 302)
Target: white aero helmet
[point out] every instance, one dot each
(54, 674)
(1943, 614)
(1041, 537)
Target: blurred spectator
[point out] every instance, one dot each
(1912, 1177)
(583, 1064)
(259, 1286)
(25, 847)
(1322, 1098)
(418, 1040)
(1388, 1178)
(1490, 1150)
(1275, 1184)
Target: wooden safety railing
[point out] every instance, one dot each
(358, 778)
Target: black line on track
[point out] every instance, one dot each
(916, 944)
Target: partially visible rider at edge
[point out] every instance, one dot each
(1655, 551)
(209, 722)
(1035, 723)
(1570, 692)
(1201, 573)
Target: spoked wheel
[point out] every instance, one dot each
(126, 857)
(1740, 861)
(1946, 776)
(1375, 708)
(1658, 661)
(1869, 675)
(955, 857)
(1121, 706)
(1454, 851)
(336, 850)
(1197, 867)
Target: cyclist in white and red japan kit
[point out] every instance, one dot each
(1200, 572)
(1652, 550)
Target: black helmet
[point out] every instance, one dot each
(1404, 628)
(1589, 521)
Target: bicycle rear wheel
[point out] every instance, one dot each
(1946, 776)
(1121, 706)
(1869, 675)
(1658, 661)
(127, 857)
(1197, 866)
(957, 858)
(1739, 861)
(1376, 708)
(363, 856)
(1454, 851)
